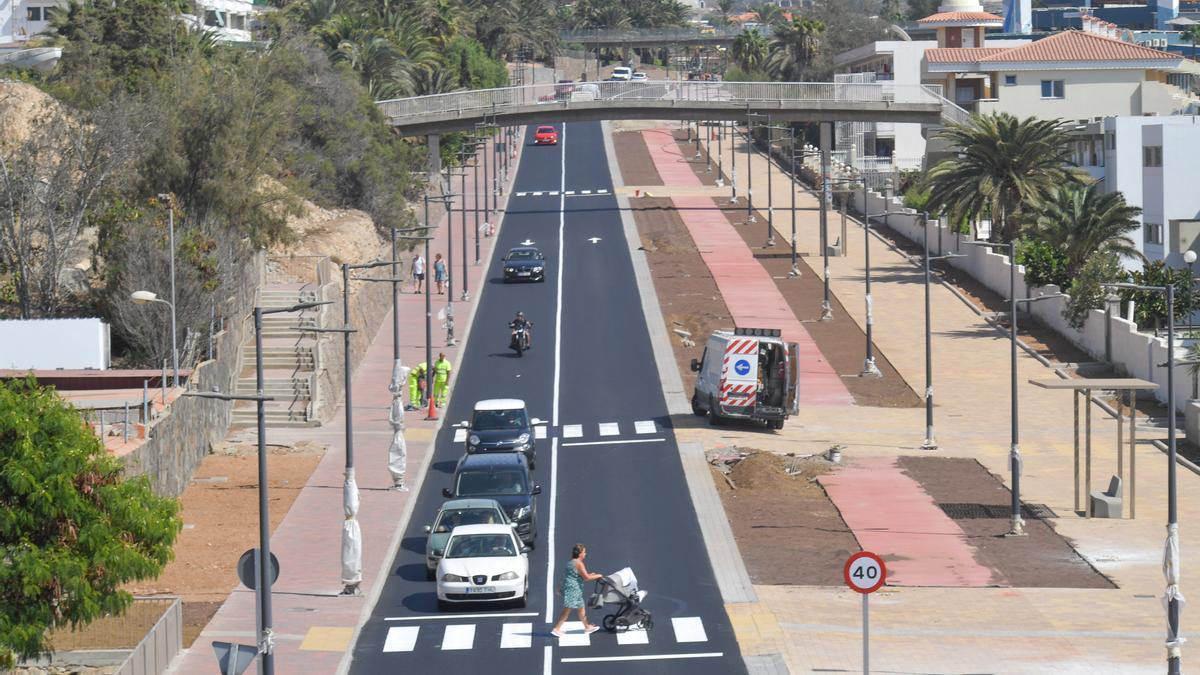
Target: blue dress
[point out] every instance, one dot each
(572, 587)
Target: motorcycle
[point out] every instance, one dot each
(520, 339)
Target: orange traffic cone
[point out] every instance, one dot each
(432, 410)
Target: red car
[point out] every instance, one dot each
(545, 135)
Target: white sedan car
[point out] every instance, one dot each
(483, 563)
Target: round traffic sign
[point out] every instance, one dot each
(865, 572)
(741, 367)
(246, 568)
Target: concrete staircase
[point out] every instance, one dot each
(289, 362)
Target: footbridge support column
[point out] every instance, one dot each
(434, 145)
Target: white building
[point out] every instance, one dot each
(24, 20)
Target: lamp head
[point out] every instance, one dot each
(143, 297)
(1189, 257)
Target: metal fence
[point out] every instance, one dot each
(619, 35)
(498, 100)
(158, 647)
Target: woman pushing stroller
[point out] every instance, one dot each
(572, 591)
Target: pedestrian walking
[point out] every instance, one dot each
(439, 272)
(418, 272)
(572, 591)
(441, 380)
(416, 385)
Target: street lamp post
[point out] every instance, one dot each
(266, 636)
(869, 367)
(749, 170)
(429, 310)
(1171, 563)
(732, 134)
(146, 297)
(169, 198)
(929, 443)
(721, 154)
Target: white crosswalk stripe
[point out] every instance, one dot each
(539, 432)
(572, 431)
(644, 427)
(536, 194)
(460, 435)
(569, 193)
(689, 629)
(610, 429)
(602, 192)
(401, 639)
(459, 636)
(516, 636)
(585, 192)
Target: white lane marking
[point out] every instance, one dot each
(573, 635)
(401, 639)
(689, 629)
(602, 192)
(521, 194)
(431, 617)
(460, 435)
(644, 427)
(594, 240)
(458, 636)
(623, 442)
(585, 192)
(644, 657)
(610, 429)
(569, 193)
(572, 431)
(528, 242)
(633, 636)
(516, 636)
(547, 659)
(536, 194)
(562, 223)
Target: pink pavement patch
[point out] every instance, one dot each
(892, 516)
(747, 288)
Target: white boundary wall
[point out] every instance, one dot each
(1136, 354)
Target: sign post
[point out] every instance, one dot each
(865, 573)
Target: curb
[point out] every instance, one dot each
(406, 514)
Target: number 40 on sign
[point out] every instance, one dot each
(865, 573)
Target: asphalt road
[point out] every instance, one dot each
(618, 489)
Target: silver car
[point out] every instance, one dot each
(453, 513)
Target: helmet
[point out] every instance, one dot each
(520, 315)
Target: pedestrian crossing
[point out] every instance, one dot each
(569, 431)
(567, 193)
(520, 635)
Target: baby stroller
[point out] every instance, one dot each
(620, 588)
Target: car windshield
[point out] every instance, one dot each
(489, 420)
(481, 546)
(491, 483)
(524, 255)
(452, 518)
(545, 130)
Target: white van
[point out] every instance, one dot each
(621, 73)
(747, 373)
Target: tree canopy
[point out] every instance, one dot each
(73, 529)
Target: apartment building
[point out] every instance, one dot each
(24, 20)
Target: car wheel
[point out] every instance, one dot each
(443, 606)
(430, 575)
(696, 409)
(714, 419)
(524, 599)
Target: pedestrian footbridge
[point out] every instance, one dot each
(669, 100)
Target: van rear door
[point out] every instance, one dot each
(793, 375)
(739, 372)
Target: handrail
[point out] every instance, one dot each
(672, 33)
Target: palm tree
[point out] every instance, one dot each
(750, 50)
(768, 14)
(794, 48)
(1192, 33)
(1003, 166)
(1082, 221)
(723, 10)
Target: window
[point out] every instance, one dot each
(37, 13)
(1152, 155)
(1153, 233)
(1010, 80)
(1052, 88)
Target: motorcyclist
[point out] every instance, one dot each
(521, 322)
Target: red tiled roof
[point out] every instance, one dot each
(962, 54)
(961, 17)
(1074, 45)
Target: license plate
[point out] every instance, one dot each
(523, 274)
(481, 589)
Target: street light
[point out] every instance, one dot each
(444, 198)
(145, 298)
(169, 198)
(1171, 564)
(869, 367)
(266, 637)
(1017, 524)
(929, 443)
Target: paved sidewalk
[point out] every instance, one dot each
(748, 289)
(314, 626)
(1004, 630)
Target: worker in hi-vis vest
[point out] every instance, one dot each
(416, 384)
(441, 380)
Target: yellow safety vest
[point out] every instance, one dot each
(441, 369)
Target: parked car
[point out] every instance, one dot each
(504, 477)
(502, 425)
(524, 263)
(638, 77)
(456, 513)
(563, 90)
(483, 563)
(621, 73)
(545, 135)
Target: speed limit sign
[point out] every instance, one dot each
(865, 572)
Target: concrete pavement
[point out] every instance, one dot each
(1011, 630)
